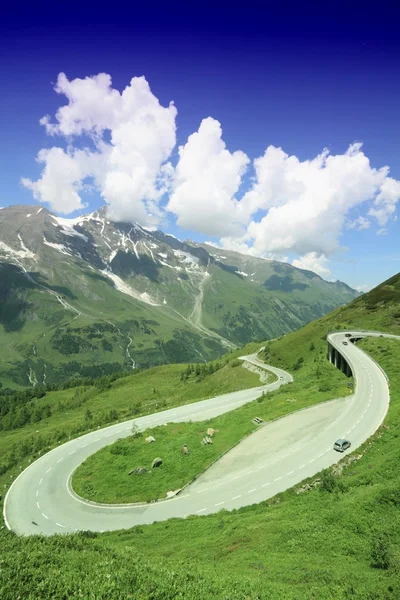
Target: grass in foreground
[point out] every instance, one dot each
(336, 542)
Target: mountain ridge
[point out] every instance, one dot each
(83, 292)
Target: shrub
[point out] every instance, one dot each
(381, 552)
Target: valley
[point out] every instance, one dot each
(89, 297)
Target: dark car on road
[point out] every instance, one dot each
(345, 343)
(347, 334)
(341, 445)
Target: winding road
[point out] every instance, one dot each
(274, 458)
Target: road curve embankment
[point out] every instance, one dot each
(274, 458)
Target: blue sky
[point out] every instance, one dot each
(301, 79)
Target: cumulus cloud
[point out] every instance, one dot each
(121, 143)
(312, 262)
(306, 202)
(131, 137)
(60, 183)
(207, 177)
(385, 202)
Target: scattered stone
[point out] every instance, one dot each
(308, 486)
(157, 462)
(138, 471)
(210, 431)
(185, 449)
(150, 439)
(206, 440)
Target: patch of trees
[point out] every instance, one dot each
(199, 371)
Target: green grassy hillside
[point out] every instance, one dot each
(337, 541)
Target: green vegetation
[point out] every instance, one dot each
(337, 541)
(72, 411)
(103, 477)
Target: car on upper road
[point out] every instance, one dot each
(347, 334)
(281, 377)
(341, 445)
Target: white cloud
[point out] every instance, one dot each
(385, 202)
(60, 183)
(382, 231)
(359, 223)
(207, 177)
(292, 206)
(363, 287)
(129, 170)
(306, 202)
(313, 262)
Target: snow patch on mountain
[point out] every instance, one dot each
(187, 258)
(123, 287)
(28, 253)
(60, 247)
(68, 226)
(24, 253)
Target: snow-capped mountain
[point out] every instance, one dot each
(88, 291)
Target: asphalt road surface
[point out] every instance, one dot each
(274, 458)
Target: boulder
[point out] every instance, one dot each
(185, 449)
(157, 462)
(150, 439)
(210, 431)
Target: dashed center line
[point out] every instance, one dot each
(200, 511)
(40, 481)
(236, 497)
(60, 459)
(219, 503)
(48, 470)
(45, 516)
(59, 524)
(201, 491)
(251, 491)
(37, 504)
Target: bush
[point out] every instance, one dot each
(328, 482)
(381, 552)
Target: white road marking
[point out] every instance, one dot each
(200, 511)
(59, 524)
(60, 459)
(71, 452)
(219, 503)
(45, 516)
(236, 497)
(278, 478)
(37, 493)
(311, 461)
(37, 504)
(40, 481)
(269, 483)
(48, 470)
(302, 467)
(201, 491)
(251, 491)
(84, 445)
(290, 473)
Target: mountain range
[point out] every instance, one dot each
(88, 296)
